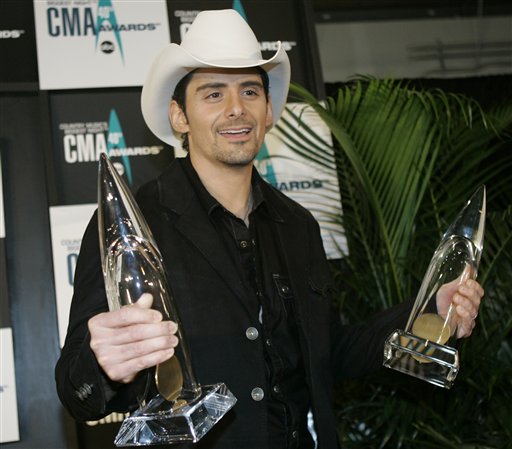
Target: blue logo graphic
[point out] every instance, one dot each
(104, 13)
(115, 140)
(263, 159)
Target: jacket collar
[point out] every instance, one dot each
(193, 223)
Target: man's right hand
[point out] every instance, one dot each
(131, 339)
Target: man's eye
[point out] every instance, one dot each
(250, 92)
(214, 95)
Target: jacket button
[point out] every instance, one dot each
(244, 244)
(257, 394)
(251, 333)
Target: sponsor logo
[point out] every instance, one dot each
(11, 34)
(85, 141)
(79, 19)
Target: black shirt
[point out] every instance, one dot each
(257, 254)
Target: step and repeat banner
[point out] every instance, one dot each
(92, 58)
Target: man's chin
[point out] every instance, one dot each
(240, 160)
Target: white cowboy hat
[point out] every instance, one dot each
(215, 39)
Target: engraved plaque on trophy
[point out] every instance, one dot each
(427, 347)
(183, 410)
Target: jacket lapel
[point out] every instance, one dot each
(193, 223)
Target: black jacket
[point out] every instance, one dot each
(209, 296)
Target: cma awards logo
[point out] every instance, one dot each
(85, 141)
(75, 21)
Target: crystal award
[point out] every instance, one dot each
(182, 410)
(427, 347)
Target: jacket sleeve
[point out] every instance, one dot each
(358, 349)
(83, 388)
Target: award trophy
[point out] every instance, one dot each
(182, 410)
(426, 348)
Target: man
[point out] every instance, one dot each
(246, 263)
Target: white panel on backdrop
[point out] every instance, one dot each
(9, 430)
(312, 185)
(98, 43)
(68, 224)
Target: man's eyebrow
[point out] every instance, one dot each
(210, 86)
(218, 85)
(252, 83)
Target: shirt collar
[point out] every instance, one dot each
(210, 203)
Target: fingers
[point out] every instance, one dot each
(133, 333)
(126, 316)
(467, 301)
(131, 339)
(122, 364)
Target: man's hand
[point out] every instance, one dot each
(131, 339)
(460, 300)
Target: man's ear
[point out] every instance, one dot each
(178, 118)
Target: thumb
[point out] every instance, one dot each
(145, 301)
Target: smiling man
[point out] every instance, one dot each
(228, 113)
(245, 262)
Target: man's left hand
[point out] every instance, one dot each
(465, 298)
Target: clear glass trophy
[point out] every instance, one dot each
(182, 410)
(427, 347)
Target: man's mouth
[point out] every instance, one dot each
(235, 132)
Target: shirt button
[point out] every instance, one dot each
(251, 333)
(257, 394)
(268, 342)
(295, 434)
(285, 289)
(243, 244)
(276, 389)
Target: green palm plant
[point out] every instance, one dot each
(407, 162)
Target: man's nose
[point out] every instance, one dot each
(234, 107)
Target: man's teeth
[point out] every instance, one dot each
(235, 131)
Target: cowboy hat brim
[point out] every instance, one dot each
(174, 62)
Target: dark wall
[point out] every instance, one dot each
(29, 270)
(488, 91)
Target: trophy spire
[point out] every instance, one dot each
(470, 223)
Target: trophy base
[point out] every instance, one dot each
(158, 423)
(431, 362)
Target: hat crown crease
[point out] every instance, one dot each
(234, 40)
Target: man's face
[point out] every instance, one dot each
(227, 115)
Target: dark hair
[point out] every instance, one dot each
(179, 95)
